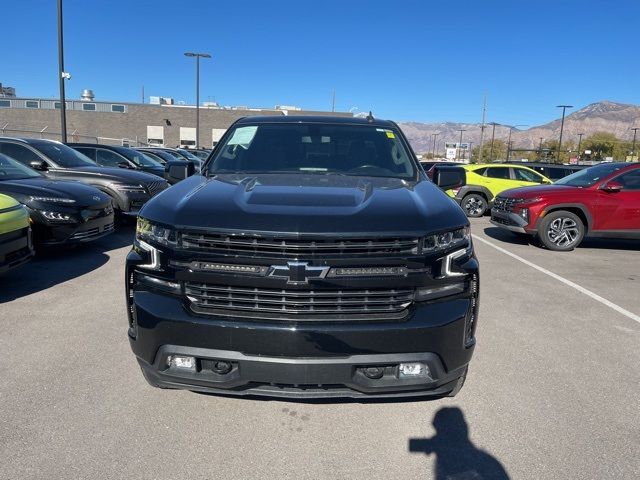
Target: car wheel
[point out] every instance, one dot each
(474, 205)
(561, 231)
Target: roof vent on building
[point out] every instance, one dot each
(87, 95)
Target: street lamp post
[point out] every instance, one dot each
(61, 77)
(540, 149)
(633, 147)
(433, 154)
(197, 55)
(579, 144)
(460, 142)
(564, 108)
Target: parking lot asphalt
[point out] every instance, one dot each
(552, 391)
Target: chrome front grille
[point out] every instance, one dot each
(282, 304)
(155, 188)
(295, 248)
(503, 204)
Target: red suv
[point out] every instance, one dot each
(600, 201)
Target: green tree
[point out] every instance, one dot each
(602, 145)
(499, 152)
(549, 152)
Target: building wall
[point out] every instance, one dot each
(111, 127)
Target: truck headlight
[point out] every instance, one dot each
(53, 199)
(152, 232)
(446, 240)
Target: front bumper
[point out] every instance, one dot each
(47, 234)
(15, 249)
(296, 360)
(508, 220)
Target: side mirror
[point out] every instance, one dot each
(175, 171)
(449, 176)
(39, 165)
(611, 187)
(124, 165)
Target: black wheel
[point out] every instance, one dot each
(474, 205)
(561, 231)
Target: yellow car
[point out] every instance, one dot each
(485, 181)
(15, 234)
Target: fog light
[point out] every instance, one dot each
(221, 368)
(183, 363)
(413, 370)
(373, 372)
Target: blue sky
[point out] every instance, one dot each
(404, 59)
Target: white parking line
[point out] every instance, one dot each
(589, 293)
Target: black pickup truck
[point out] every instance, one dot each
(311, 258)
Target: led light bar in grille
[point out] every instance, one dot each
(367, 271)
(222, 267)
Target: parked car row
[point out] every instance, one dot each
(68, 197)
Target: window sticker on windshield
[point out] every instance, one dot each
(243, 135)
(388, 132)
(390, 135)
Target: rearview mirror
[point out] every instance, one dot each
(40, 165)
(449, 176)
(611, 187)
(175, 171)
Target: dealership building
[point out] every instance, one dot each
(161, 122)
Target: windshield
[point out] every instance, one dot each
(590, 176)
(13, 170)
(359, 150)
(63, 155)
(188, 154)
(139, 158)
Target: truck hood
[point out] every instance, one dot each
(84, 195)
(306, 204)
(540, 190)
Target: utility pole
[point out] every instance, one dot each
(142, 93)
(564, 108)
(197, 55)
(493, 135)
(509, 141)
(633, 148)
(61, 77)
(333, 101)
(460, 142)
(579, 143)
(433, 154)
(484, 112)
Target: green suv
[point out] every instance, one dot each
(486, 181)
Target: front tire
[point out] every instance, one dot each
(474, 205)
(561, 231)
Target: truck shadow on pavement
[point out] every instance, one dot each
(501, 235)
(54, 266)
(457, 458)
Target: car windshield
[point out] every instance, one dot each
(590, 176)
(187, 154)
(13, 170)
(139, 158)
(63, 155)
(359, 150)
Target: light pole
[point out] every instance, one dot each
(564, 108)
(509, 141)
(633, 148)
(460, 142)
(197, 55)
(433, 154)
(493, 135)
(540, 149)
(579, 144)
(61, 77)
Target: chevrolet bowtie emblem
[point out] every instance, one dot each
(297, 272)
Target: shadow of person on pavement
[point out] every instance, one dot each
(457, 458)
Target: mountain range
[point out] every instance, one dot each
(607, 116)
